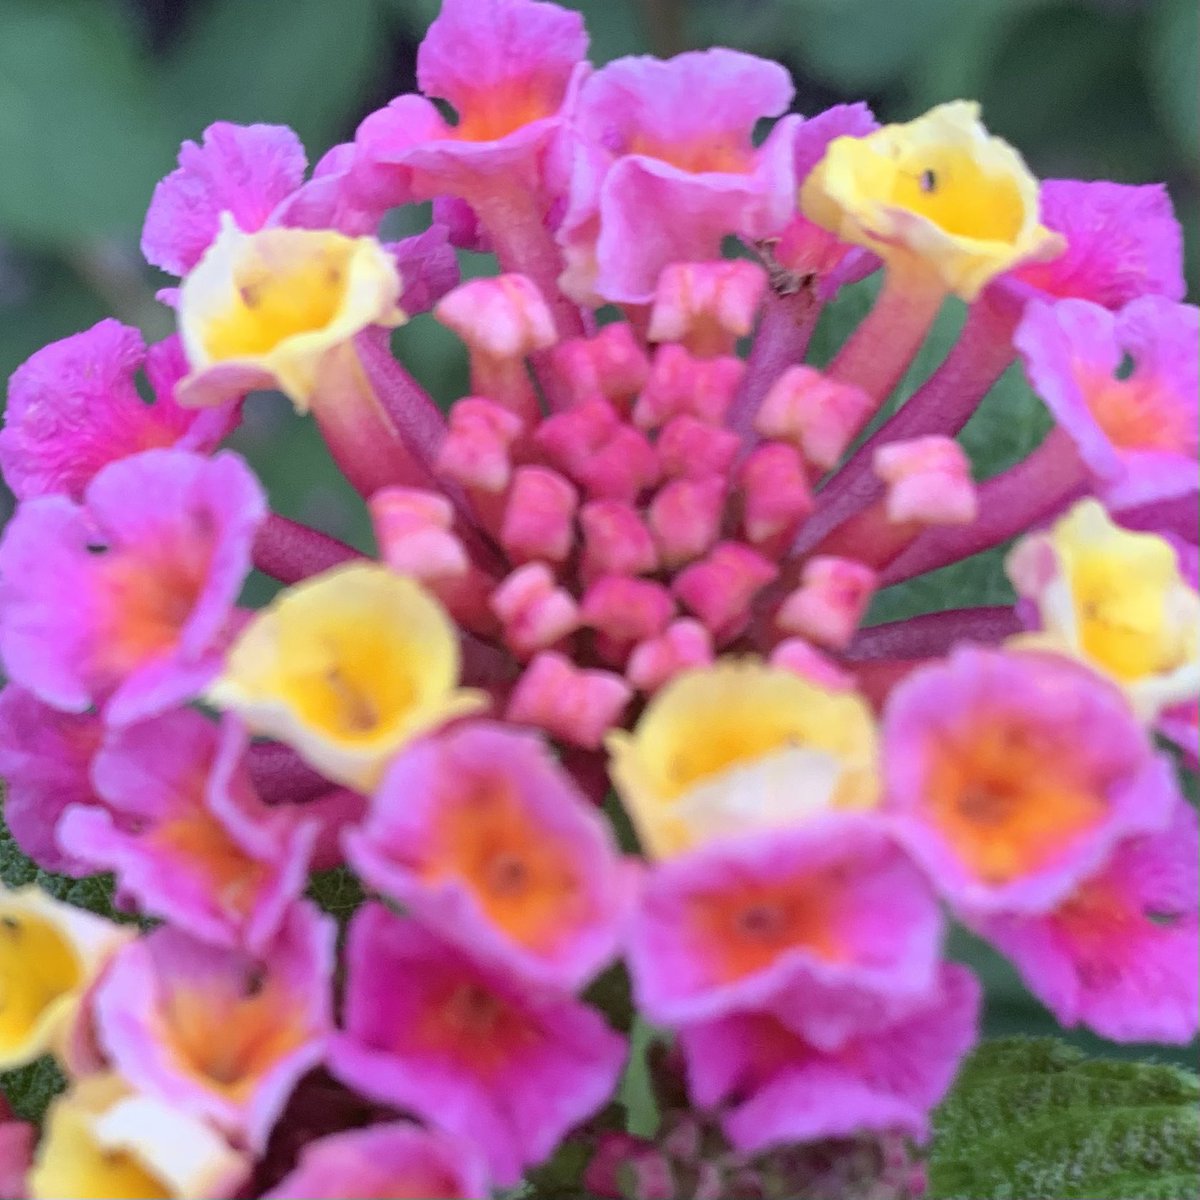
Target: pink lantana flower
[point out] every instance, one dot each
(665, 167)
(219, 1033)
(1124, 388)
(771, 1087)
(1011, 776)
(486, 840)
(510, 69)
(185, 833)
(827, 925)
(467, 1047)
(73, 408)
(153, 560)
(1119, 953)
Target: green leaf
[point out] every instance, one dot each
(861, 45)
(30, 1089)
(303, 63)
(337, 891)
(82, 136)
(1174, 71)
(1033, 1119)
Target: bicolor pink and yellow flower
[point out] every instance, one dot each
(221, 1034)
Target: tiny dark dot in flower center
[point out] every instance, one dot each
(507, 874)
(1157, 917)
(985, 806)
(1125, 367)
(762, 921)
(928, 181)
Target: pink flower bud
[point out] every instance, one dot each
(802, 657)
(929, 480)
(679, 383)
(624, 467)
(570, 439)
(830, 602)
(627, 610)
(721, 588)
(414, 531)
(684, 643)
(706, 305)
(503, 316)
(775, 495)
(690, 447)
(476, 449)
(574, 705)
(615, 540)
(539, 516)
(685, 517)
(533, 610)
(610, 364)
(818, 415)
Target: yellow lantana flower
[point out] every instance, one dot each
(50, 953)
(939, 191)
(738, 746)
(101, 1140)
(345, 668)
(1116, 600)
(270, 306)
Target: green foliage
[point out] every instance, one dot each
(1034, 1119)
(337, 891)
(30, 1089)
(1174, 72)
(82, 137)
(303, 63)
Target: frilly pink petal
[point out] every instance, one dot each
(245, 170)
(778, 1090)
(73, 408)
(1122, 242)
(45, 762)
(467, 1047)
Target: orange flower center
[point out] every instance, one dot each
(230, 1042)
(1135, 415)
(518, 873)
(1010, 799)
(232, 876)
(473, 1026)
(498, 111)
(725, 154)
(150, 600)
(749, 927)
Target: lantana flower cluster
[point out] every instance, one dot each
(603, 702)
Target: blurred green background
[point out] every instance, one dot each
(95, 96)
